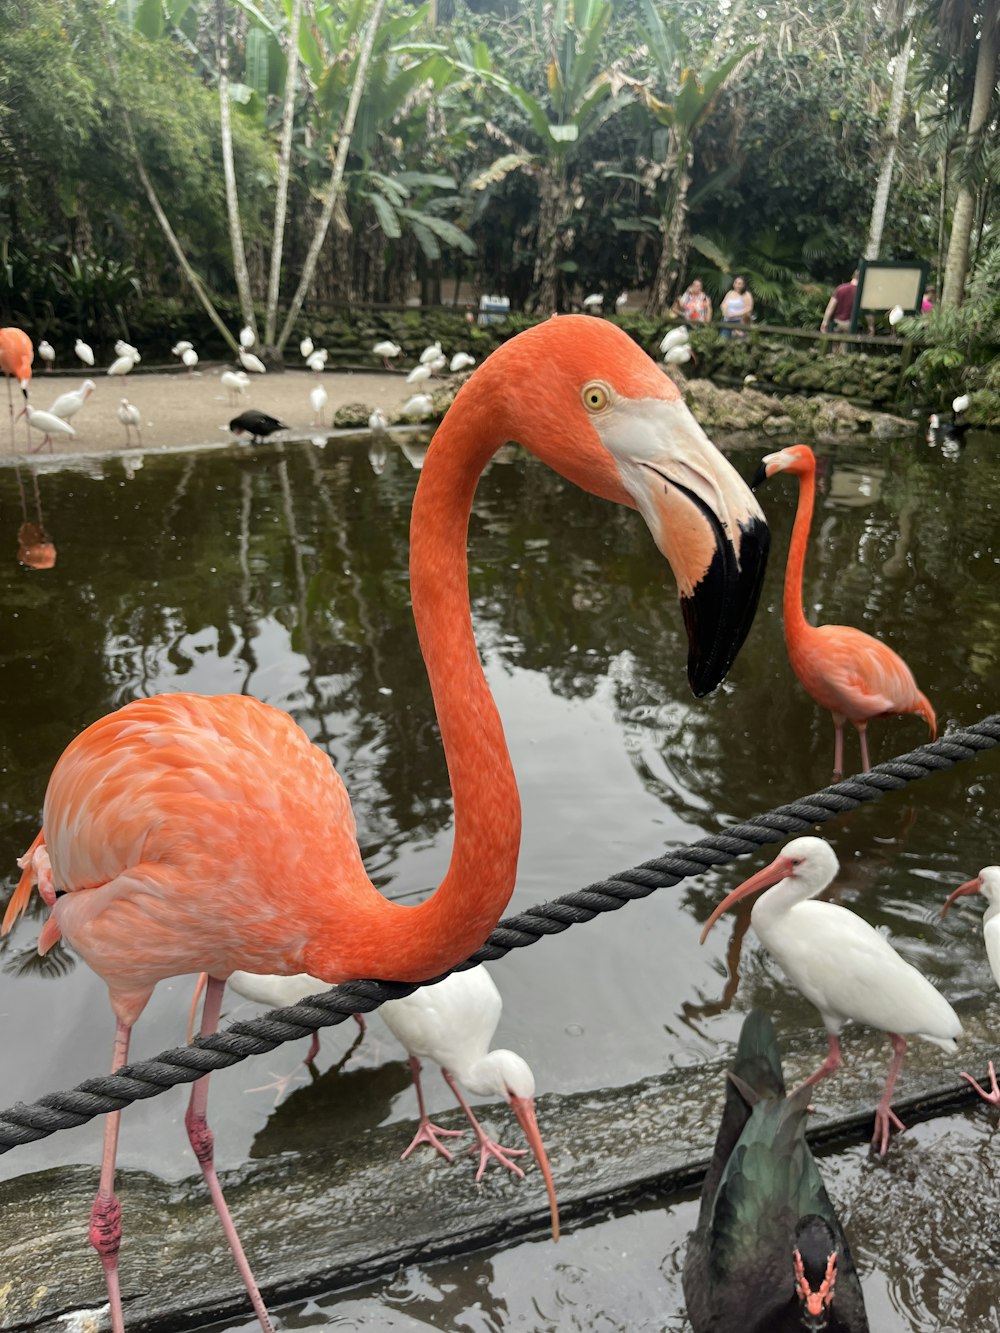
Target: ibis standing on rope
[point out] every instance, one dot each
(854, 675)
(190, 834)
(768, 1254)
(841, 964)
(987, 882)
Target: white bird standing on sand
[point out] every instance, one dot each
(121, 365)
(987, 882)
(841, 964)
(419, 406)
(318, 399)
(316, 361)
(386, 350)
(306, 347)
(621, 301)
(236, 381)
(47, 423)
(68, 404)
(190, 358)
(179, 348)
(251, 362)
(377, 421)
(895, 315)
(247, 337)
(595, 301)
(47, 352)
(418, 374)
(461, 361)
(122, 348)
(674, 338)
(131, 418)
(452, 1022)
(84, 351)
(430, 353)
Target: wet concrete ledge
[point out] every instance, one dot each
(345, 1211)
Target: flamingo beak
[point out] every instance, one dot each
(779, 869)
(524, 1109)
(759, 476)
(972, 886)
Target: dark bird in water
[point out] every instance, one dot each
(768, 1254)
(258, 425)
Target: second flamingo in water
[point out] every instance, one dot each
(845, 670)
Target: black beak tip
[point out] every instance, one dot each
(759, 477)
(719, 614)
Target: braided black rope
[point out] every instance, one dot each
(24, 1123)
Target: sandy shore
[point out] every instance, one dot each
(179, 410)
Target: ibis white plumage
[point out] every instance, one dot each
(896, 314)
(46, 422)
(417, 408)
(452, 1022)
(67, 405)
(987, 882)
(679, 355)
(47, 352)
(318, 399)
(236, 382)
(430, 353)
(190, 358)
(316, 361)
(251, 362)
(122, 348)
(841, 964)
(419, 373)
(179, 348)
(387, 350)
(461, 361)
(131, 418)
(247, 337)
(122, 365)
(306, 347)
(674, 338)
(84, 351)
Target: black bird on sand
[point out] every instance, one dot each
(768, 1254)
(258, 425)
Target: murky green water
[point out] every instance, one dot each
(283, 573)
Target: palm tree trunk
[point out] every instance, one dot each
(284, 169)
(336, 177)
(240, 269)
(552, 211)
(673, 228)
(892, 121)
(957, 264)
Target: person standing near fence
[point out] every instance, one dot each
(840, 306)
(737, 307)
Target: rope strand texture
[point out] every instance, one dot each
(25, 1123)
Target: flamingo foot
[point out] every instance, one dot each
(487, 1149)
(427, 1133)
(993, 1097)
(280, 1083)
(886, 1120)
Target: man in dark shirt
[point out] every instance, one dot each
(840, 306)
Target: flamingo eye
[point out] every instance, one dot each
(596, 396)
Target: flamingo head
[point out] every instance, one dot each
(987, 882)
(809, 864)
(598, 410)
(814, 1261)
(798, 459)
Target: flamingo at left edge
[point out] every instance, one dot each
(184, 834)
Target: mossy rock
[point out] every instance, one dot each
(352, 416)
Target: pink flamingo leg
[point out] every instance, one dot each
(993, 1097)
(830, 1065)
(427, 1132)
(106, 1214)
(838, 746)
(487, 1148)
(862, 729)
(203, 1142)
(885, 1118)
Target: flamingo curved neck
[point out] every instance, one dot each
(794, 616)
(427, 939)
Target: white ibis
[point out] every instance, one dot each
(68, 404)
(258, 425)
(47, 423)
(595, 301)
(84, 351)
(895, 315)
(47, 352)
(236, 382)
(179, 348)
(452, 1022)
(419, 373)
(841, 964)
(318, 400)
(419, 407)
(251, 362)
(674, 338)
(621, 302)
(122, 348)
(987, 882)
(430, 353)
(316, 361)
(387, 350)
(461, 361)
(960, 404)
(278, 992)
(190, 358)
(131, 418)
(377, 421)
(122, 365)
(679, 355)
(306, 347)
(247, 337)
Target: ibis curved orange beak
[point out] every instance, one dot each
(971, 886)
(524, 1109)
(780, 868)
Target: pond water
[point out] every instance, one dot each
(282, 572)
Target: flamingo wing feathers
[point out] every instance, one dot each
(852, 673)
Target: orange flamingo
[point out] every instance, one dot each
(189, 834)
(845, 670)
(16, 356)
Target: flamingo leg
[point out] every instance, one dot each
(487, 1148)
(838, 747)
(203, 1142)
(830, 1065)
(885, 1118)
(993, 1097)
(427, 1132)
(106, 1214)
(862, 729)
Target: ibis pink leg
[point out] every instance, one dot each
(830, 1065)
(106, 1214)
(428, 1132)
(993, 1097)
(203, 1142)
(885, 1117)
(487, 1148)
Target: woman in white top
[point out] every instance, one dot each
(737, 305)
